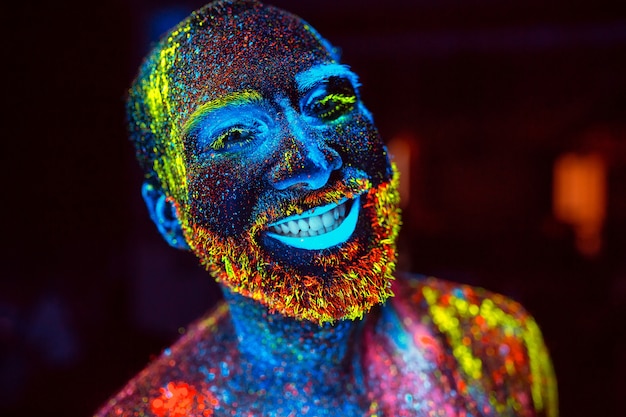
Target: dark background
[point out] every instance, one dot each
(487, 93)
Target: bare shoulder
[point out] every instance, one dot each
(177, 380)
(496, 346)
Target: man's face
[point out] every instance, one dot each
(290, 198)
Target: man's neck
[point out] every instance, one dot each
(287, 349)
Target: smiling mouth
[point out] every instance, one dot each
(319, 228)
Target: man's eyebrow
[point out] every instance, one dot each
(319, 73)
(236, 98)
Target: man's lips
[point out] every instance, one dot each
(319, 228)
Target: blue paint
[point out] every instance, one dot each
(308, 79)
(237, 125)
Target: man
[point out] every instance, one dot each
(261, 159)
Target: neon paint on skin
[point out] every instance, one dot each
(256, 149)
(251, 134)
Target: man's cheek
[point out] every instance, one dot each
(361, 147)
(222, 205)
(359, 135)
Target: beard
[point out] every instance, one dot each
(342, 282)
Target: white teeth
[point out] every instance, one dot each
(304, 225)
(328, 219)
(328, 226)
(293, 227)
(313, 225)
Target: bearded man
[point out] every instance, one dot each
(262, 160)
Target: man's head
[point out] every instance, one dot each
(261, 158)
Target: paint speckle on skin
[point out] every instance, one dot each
(282, 132)
(404, 362)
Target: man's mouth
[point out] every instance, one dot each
(319, 228)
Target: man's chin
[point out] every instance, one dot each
(326, 264)
(339, 276)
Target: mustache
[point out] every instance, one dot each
(271, 207)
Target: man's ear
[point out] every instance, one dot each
(163, 214)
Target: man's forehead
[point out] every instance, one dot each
(263, 50)
(261, 65)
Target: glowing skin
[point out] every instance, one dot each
(286, 141)
(278, 161)
(417, 357)
(261, 158)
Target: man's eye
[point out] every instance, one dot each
(231, 129)
(232, 137)
(333, 106)
(335, 99)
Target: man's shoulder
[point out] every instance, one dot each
(495, 344)
(177, 380)
(441, 298)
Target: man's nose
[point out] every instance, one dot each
(304, 162)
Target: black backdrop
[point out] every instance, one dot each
(488, 95)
